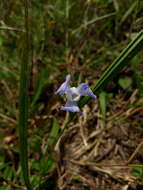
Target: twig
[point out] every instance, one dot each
(135, 152)
(11, 29)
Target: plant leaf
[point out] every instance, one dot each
(23, 101)
(125, 82)
(118, 64)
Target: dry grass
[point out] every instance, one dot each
(93, 155)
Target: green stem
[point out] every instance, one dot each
(23, 101)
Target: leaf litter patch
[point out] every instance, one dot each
(95, 154)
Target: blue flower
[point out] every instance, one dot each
(73, 94)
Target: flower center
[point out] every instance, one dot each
(75, 94)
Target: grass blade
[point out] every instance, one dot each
(102, 100)
(43, 79)
(93, 22)
(23, 102)
(128, 12)
(54, 132)
(122, 60)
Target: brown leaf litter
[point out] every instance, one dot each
(94, 154)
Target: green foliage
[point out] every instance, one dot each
(43, 167)
(35, 180)
(134, 47)
(35, 144)
(8, 173)
(42, 81)
(4, 187)
(102, 101)
(54, 132)
(138, 78)
(138, 172)
(23, 100)
(125, 83)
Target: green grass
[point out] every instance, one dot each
(23, 101)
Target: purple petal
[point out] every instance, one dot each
(84, 90)
(72, 107)
(64, 87)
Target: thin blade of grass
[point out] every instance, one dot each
(118, 64)
(54, 132)
(43, 79)
(129, 12)
(102, 100)
(23, 102)
(92, 22)
(116, 5)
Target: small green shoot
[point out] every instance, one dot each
(125, 83)
(102, 102)
(54, 132)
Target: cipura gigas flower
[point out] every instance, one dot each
(73, 94)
